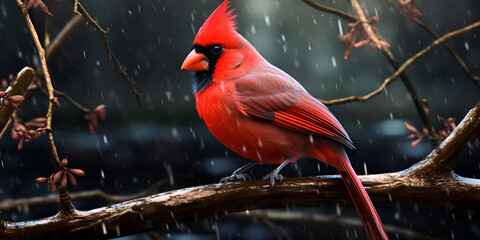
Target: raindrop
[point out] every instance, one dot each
(466, 46)
(104, 228)
(309, 47)
(84, 54)
(129, 12)
(365, 168)
(252, 29)
(267, 20)
(391, 115)
(170, 175)
(334, 62)
(193, 133)
(117, 228)
(340, 29)
(169, 95)
(97, 63)
(102, 173)
(296, 63)
(4, 11)
(105, 140)
(174, 132)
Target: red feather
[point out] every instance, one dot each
(218, 28)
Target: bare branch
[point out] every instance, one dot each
(314, 219)
(17, 87)
(413, 185)
(331, 10)
(420, 104)
(41, 56)
(441, 161)
(63, 35)
(404, 66)
(112, 56)
(12, 204)
(464, 66)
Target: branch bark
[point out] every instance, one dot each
(17, 87)
(431, 182)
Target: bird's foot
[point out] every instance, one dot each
(272, 177)
(236, 177)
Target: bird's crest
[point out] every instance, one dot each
(219, 27)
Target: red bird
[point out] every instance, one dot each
(263, 114)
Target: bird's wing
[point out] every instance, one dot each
(289, 106)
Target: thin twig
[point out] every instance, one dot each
(404, 66)
(331, 10)
(72, 101)
(112, 56)
(63, 35)
(419, 103)
(12, 204)
(4, 130)
(464, 66)
(48, 23)
(280, 232)
(307, 218)
(51, 98)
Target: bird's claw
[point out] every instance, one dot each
(272, 177)
(236, 177)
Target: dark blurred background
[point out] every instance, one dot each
(165, 139)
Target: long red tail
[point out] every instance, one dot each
(370, 219)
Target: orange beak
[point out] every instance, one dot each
(195, 62)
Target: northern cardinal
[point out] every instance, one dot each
(263, 114)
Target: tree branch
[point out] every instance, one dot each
(103, 34)
(467, 71)
(404, 66)
(308, 218)
(420, 104)
(12, 204)
(17, 87)
(331, 10)
(431, 182)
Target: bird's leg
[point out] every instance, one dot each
(274, 175)
(238, 174)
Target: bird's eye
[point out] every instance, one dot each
(216, 49)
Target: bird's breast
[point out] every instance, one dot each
(252, 138)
